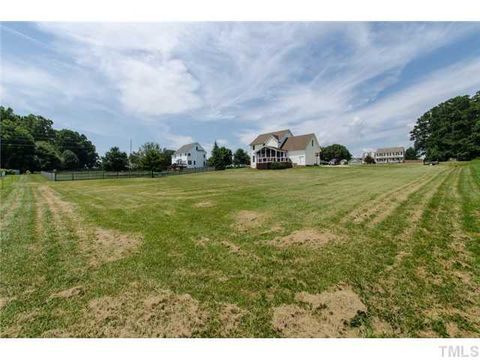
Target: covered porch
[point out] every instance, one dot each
(270, 154)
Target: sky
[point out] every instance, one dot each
(361, 84)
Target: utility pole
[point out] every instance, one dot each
(130, 158)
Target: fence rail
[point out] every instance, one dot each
(100, 174)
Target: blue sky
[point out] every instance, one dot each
(359, 84)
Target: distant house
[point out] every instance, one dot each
(190, 156)
(390, 155)
(283, 146)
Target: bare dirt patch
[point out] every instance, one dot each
(230, 318)
(327, 314)
(306, 237)
(159, 314)
(68, 293)
(382, 328)
(246, 219)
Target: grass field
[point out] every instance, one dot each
(354, 251)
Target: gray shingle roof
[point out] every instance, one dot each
(262, 138)
(390, 149)
(186, 148)
(297, 142)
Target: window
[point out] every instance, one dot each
(312, 142)
(253, 147)
(253, 158)
(189, 154)
(204, 156)
(189, 162)
(194, 162)
(196, 148)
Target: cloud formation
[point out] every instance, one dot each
(346, 82)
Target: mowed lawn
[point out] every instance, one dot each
(363, 251)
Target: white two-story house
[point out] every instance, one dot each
(390, 155)
(190, 156)
(283, 146)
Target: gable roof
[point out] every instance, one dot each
(262, 138)
(297, 142)
(391, 149)
(187, 147)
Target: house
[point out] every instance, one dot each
(390, 155)
(283, 146)
(190, 156)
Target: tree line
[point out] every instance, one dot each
(449, 130)
(30, 143)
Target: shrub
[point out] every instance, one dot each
(279, 165)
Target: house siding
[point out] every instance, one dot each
(196, 159)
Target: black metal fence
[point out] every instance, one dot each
(100, 174)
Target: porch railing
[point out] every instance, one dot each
(272, 159)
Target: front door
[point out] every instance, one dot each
(301, 160)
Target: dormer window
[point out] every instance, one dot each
(312, 142)
(253, 147)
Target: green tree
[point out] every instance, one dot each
(79, 144)
(335, 151)
(151, 156)
(70, 160)
(115, 160)
(449, 130)
(47, 157)
(18, 146)
(25, 139)
(241, 158)
(411, 154)
(221, 157)
(369, 160)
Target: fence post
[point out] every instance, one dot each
(103, 173)
(54, 176)
(152, 173)
(73, 175)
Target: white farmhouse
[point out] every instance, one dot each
(390, 155)
(282, 146)
(190, 156)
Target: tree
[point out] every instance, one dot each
(241, 158)
(115, 160)
(335, 151)
(70, 160)
(30, 142)
(411, 154)
(369, 160)
(221, 157)
(79, 144)
(47, 157)
(226, 156)
(151, 156)
(449, 130)
(18, 145)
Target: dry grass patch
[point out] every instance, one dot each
(327, 314)
(246, 220)
(230, 318)
(68, 293)
(203, 204)
(306, 237)
(109, 245)
(3, 303)
(158, 314)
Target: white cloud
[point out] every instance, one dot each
(327, 78)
